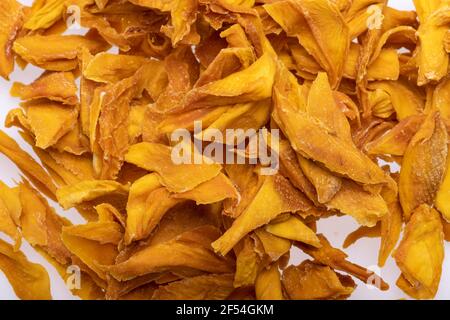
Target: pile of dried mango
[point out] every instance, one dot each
(352, 85)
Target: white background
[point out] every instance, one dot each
(364, 252)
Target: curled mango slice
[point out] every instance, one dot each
(314, 281)
(420, 254)
(30, 281)
(12, 16)
(56, 86)
(423, 165)
(275, 196)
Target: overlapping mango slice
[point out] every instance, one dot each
(359, 92)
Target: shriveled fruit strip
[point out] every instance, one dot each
(275, 196)
(337, 259)
(421, 253)
(423, 165)
(26, 163)
(30, 281)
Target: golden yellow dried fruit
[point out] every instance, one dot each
(420, 254)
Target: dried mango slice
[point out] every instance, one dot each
(420, 254)
(362, 232)
(92, 253)
(177, 178)
(442, 196)
(190, 249)
(391, 227)
(259, 78)
(30, 281)
(55, 86)
(433, 59)
(45, 16)
(27, 164)
(58, 120)
(406, 99)
(110, 68)
(8, 225)
(314, 281)
(247, 264)
(395, 141)
(275, 247)
(336, 259)
(69, 196)
(217, 189)
(101, 231)
(423, 165)
(325, 183)
(441, 98)
(294, 229)
(142, 221)
(207, 287)
(11, 17)
(367, 208)
(40, 225)
(59, 53)
(268, 284)
(275, 196)
(183, 16)
(325, 148)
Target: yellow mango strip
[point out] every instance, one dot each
(361, 232)
(110, 68)
(142, 221)
(30, 281)
(290, 168)
(92, 253)
(275, 247)
(294, 229)
(58, 120)
(55, 86)
(40, 225)
(59, 53)
(8, 225)
(45, 16)
(27, 164)
(190, 249)
(336, 259)
(433, 60)
(275, 196)
(268, 284)
(258, 78)
(241, 116)
(325, 183)
(217, 189)
(395, 141)
(406, 99)
(71, 195)
(323, 147)
(391, 227)
(247, 263)
(207, 287)
(177, 178)
(367, 208)
(11, 17)
(443, 195)
(101, 231)
(423, 165)
(441, 98)
(11, 200)
(89, 290)
(376, 70)
(314, 281)
(183, 16)
(421, 253)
